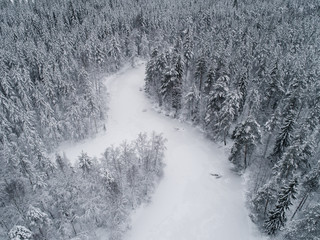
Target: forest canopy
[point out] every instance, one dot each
(241, 70)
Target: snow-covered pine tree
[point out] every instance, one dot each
(85, 162)
(274, 91)
(277, 216)
(296, 158)
(192, 104)
(310, 184)
(144, 46)
(167, 85)
(114, 53)
(269, 128)
(160, 71)
(177, 88)
(38, 221)
(209, 80)
(242, 88)
(307, 227)
(151, 73)
(217, 97)
(171, 84)
(261, 201)
(284, 137)
(200, 71)
(187, 49)
(246, 136)
(227, 115)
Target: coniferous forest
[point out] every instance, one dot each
(246, 72)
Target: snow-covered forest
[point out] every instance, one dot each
(245, 72)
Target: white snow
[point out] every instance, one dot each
(190, 201)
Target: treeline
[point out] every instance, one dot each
(53, 55)
(249, 71)
(73, 201)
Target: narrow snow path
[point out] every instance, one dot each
(189, 202)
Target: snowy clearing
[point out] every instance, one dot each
(199, 196)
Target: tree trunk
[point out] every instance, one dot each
(95, 125)
(304, 198)
(299, 112)
(245, 156)
(160, 99)
(73, 228)
(267, 145)
(266, 207)
(304, 201)
(200, 84)
(2, 223)
(41, 233)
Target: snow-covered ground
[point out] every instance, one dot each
(190, 201)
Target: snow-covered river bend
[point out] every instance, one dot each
(189, 203)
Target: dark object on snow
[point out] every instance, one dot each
(216, 175)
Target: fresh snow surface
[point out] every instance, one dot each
(199, 197)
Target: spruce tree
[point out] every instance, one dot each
(209, 80)
(151, 72)
(200, 71)
(277, 216)
(274, 91)
(167, 84)
(227, 115)
(284, 138)
(246, 136)
(216, 101)
(85, 162)
(187, 49)
(307, 227)
(192, 103)
(177, 88)
(242, 88)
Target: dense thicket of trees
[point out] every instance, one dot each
(53, 54)
(72, 201)
(248, 70)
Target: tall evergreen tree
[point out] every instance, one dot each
(277, 217)
(285, 136)
(200, 71)
(217, 98)
(209, 80)
(177, 88)
(227, 115)
(246, 136)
